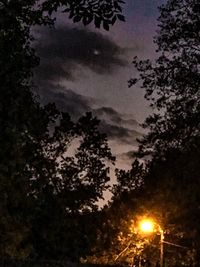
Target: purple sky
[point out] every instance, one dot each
(83, 68)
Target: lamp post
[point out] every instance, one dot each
(161, 246)
(148, 226)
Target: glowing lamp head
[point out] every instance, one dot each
(146, 226)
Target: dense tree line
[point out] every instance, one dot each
(166, 186)
(47, 194)
(172, 87)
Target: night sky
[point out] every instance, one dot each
(87, 69)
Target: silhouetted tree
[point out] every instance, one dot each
(38, 179)
(33, 12)
(172, 87)
(169, 184)
(115, 243)
(172, 81)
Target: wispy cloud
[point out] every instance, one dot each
(66, 100)
(115, 117)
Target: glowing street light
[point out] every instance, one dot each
(148, 226)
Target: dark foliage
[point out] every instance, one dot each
(32, 12)
(101, 12)
(169, 191)
(52, 171)
(172, 81)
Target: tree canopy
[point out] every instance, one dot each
(33, 12)
(172, 81)
(168, 182)
(52, 171)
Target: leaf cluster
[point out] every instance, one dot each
(86, 11)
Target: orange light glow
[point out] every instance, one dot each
(146, 226)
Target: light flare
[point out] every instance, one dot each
(146, 226)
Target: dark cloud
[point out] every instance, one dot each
(115, 117)
(112, 122)
(121, 127)
(119, 133)
(65, 99)
(128, 155)
(62, 49)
